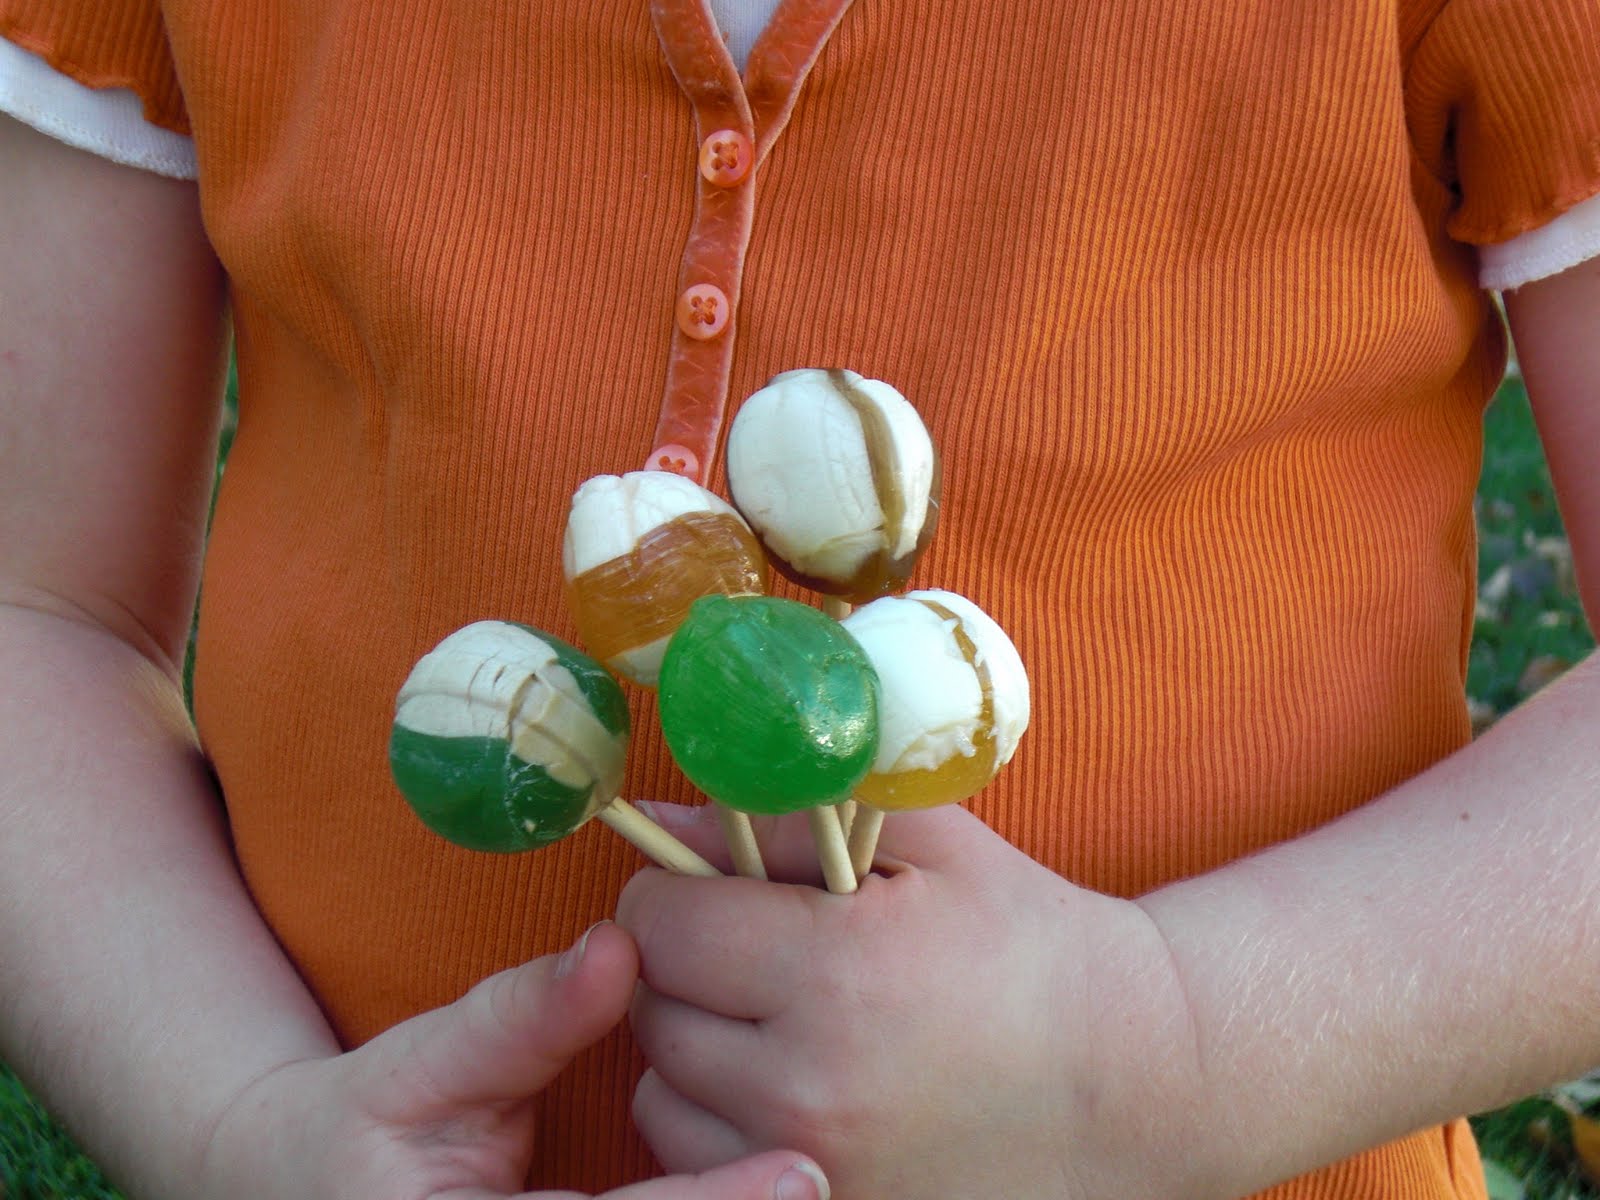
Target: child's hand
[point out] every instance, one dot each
(969, 1025)
(439, 1106)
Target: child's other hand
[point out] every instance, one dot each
(969, 1025)
(440, 1106)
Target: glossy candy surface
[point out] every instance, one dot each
(954, 698)
(506, 739)
(768, 705)
(838, 476)
(639, 550)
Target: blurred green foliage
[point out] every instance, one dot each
(1530, 624)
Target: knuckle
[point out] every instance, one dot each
(494, 1003)
(638, 907)
(813, 1117)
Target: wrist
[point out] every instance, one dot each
(1257, 1021)
(256, 1134)
(1149, 1126)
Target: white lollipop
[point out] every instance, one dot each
(953, 698)
(838, 476)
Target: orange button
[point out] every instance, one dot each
(726, 157)
(674, 459)
(703, 311)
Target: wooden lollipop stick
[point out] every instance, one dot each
(844, 815)
(654, 842)
(742, 844)
(832, 852)
(864, 839)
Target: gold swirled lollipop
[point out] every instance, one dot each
(639, 549)
(954, 703)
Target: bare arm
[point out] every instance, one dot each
(1437, 952)
(135, 965)
(1556, 325)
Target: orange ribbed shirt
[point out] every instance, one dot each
(1184, 292)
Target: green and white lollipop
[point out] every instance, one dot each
(507, 739)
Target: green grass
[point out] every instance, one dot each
(37, 1160)
(1528, 1146)
(1529, 626)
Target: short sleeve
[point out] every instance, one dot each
(1503, 103)
(103, 44)
(1570, 239)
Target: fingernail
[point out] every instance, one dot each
(671, 816)
(569, 961)
(803, 1181)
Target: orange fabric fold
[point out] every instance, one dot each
(123, 45)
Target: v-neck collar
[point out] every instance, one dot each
(756, 107)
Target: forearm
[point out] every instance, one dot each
(1432, 954)
(141, 990)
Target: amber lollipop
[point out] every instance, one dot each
(639, 550)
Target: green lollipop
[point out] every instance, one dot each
(507, 739)
(767, 705)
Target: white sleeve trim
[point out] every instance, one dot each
(109, 123)
(1570, 239)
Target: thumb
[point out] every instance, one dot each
(775, 1175)
(511, 1034)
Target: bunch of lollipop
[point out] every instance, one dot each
(506, 738)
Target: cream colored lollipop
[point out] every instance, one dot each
(838, 476)
(953, 704)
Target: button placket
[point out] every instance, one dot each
(735, 131)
